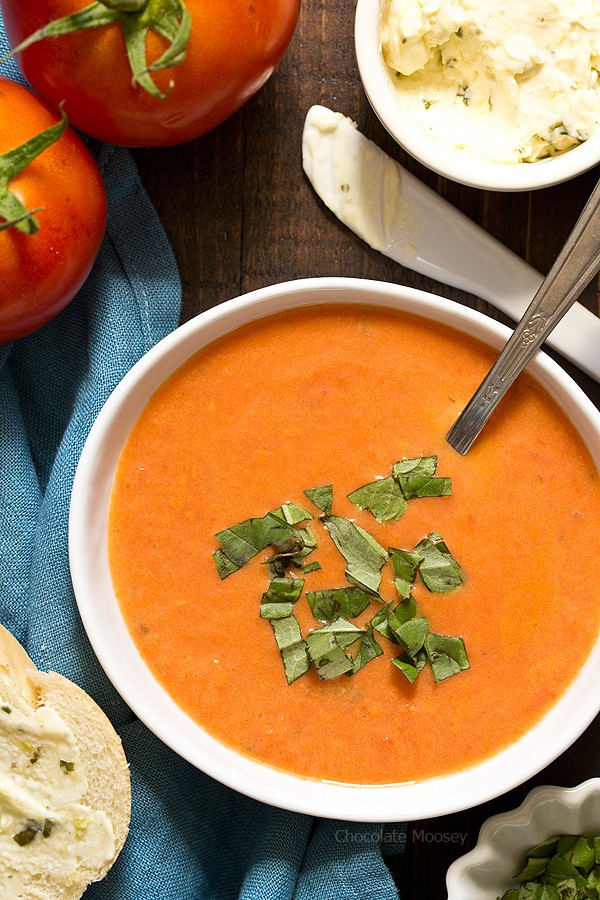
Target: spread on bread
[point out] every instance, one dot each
(43, 822)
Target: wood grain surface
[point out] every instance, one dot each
(240, 214)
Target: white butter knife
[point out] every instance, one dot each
(399, 216)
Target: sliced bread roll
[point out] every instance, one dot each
(65, 791)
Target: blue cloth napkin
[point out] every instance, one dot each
(191, 838)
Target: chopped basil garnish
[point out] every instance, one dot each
(347, 601)
(291, 646)
(419, 466)
(282, 590)
(26, 836)
(243, 541)
(410, 666)
(6, 709)
(417, 478)
(224, 565)
(278, 601)
(48, 827)
(66, 766)
(386, 498)
(326, 648)
(345, 632)
(276, 610)
(380, 623)
(364, 556)
(293, 514)
(411, 635)
(403, 612)
(368, 649)
(438, 569)
(447, 655)
(564, 867)
(383, 498)
(405, 563)
(322, 497)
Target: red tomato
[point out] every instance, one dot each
(233, 49)
(40, 273)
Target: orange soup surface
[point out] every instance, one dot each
(337, 395)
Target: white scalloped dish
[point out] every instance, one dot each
(486, 872)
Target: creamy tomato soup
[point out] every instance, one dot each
(337, 395)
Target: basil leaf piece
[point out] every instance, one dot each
(418, 486)
(283, 590)
(293, 514)
(447, 655)
(311, 567)
(419, 466)
(403, 612)
(404, 588)
(383, 498)
(581, 855)
(533, 868)
(309, 543)
(347, 601)
(322, 497)
(304, 543)
(404, 563)
(545, 849)
(560, 869)
(224, 565)
(410, 666)
(293, 649)
(243, 541)
(278, 601)
(368, 649)
(439, 570)
(327, 656)
(364, 556)
(411, 635)
(276, 610)
(345, 633)
(416, 478)
(380, 623)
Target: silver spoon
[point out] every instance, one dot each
(577, 263)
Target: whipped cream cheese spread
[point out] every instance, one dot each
(44, 826)
(505, 81)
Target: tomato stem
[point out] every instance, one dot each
(12, 210)
(168, 18)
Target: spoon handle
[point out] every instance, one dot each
(577, 263)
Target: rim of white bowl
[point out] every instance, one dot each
(124, 666)
(451, 164)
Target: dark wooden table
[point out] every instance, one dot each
(240, 214)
